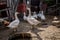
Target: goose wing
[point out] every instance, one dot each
(33, 21)
(13, 24)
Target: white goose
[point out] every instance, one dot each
(14, 24)
(41, 15)
(34, 14)
(30, 19)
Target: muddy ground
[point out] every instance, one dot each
(51, 31)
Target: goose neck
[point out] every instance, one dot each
(16, 16)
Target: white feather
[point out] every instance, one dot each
(32, 20)
(34, 15)
(41, 15)
(15, 23)
(24, 16)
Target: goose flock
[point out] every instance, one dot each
(30, 19)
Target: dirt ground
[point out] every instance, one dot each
(51, 31)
